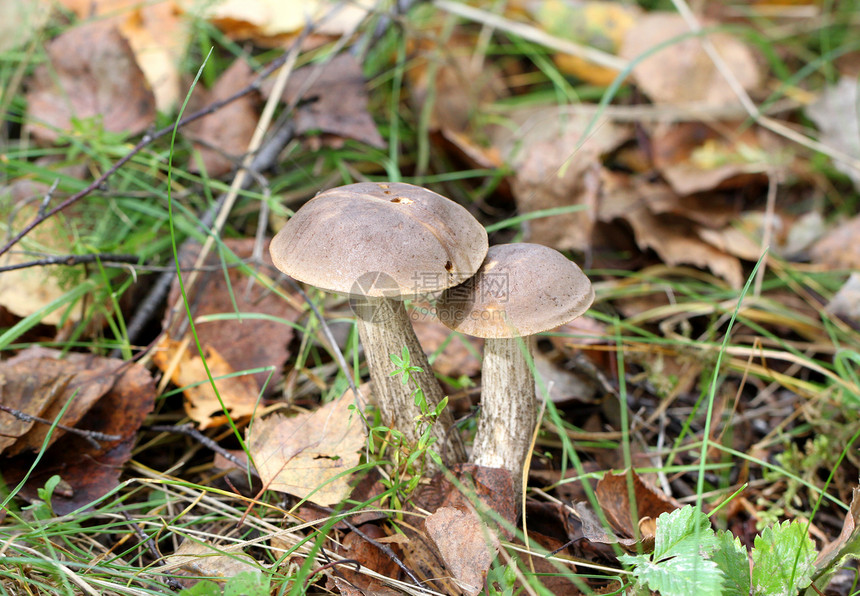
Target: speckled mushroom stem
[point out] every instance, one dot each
(384, 329)
(508, 407)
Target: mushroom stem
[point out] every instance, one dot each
(508, 407)
(384, 329)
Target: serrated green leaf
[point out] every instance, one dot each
(683, 575)
(247, 583)
(634, 559)
(783, 560)
(202, 588)
(683, 531)
(732, 559)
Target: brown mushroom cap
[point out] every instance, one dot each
(421, 240)
(520, 290)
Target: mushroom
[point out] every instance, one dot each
(519, 291)
(381, 242)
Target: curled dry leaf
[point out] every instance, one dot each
(682, 72)
(695, 157)
(307, 455)
(238, 393)
(613, 496)
(93, 73)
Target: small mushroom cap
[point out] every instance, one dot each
(520, 290)
(380, 239)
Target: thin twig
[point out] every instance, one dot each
(383, 547)
(93, 436)
(191, 431)
(70, 260)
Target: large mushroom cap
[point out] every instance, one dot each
(417, 241)
(520, 290)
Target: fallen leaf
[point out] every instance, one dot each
(839, 249)
(682, 73)
(467, 546)
(835, 115)
(356, 548)
(89, 471)
(244, 343)
(675, 239)
(848, 542)
(239, 393)
(196, 559)
(600, 25)
(613, 496)
(223, 137)
(93, 74)
(557, 165)
(38, 382)
(694, 157)
(157, 36)
(305, 454)
(335, 100)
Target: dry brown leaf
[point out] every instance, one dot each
(93, 73)
(239, 393)
(202, 559)
(848, 541)
(682, 73)
(552, 169)
(467, 546)
(303, 455)
(613, 496)
(246, 343)
(675, 239)
(369, 556)
(88, 470)
(156, 34)
(694, 157)
(335, 100)
(839, 248)
(225, 135)
(38, 382)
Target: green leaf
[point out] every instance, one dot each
(683, 575)
(202, 588)
(783, 560)
(685, 531)
(247, 583)
(732, 559)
